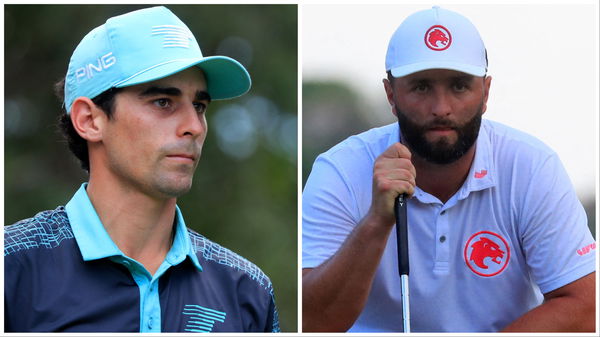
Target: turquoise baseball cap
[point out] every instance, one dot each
(142, 46)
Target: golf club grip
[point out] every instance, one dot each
(401, 233)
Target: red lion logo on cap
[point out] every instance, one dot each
(438, 34)
(486, 253)
(485, 248)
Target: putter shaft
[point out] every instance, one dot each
(403, 266)
(405, 304)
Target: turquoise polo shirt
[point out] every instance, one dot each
(95, 243)
(63, 270)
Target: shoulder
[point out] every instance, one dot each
(529, 171)
(47, 229)
(509, 140)
(356, 154)
(369, 143)
(341, 175)
(517, 154)
(221, 258)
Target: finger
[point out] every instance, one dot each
(393, 187)
(396, 174)
(396, 150)
(384, 164)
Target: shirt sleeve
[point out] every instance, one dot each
(329, 212)
(557, 242)
(273, 317)
(17, 283)
(10, 272)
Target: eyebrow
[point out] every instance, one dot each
(201, 95)
(466, 78)
(153, 91)
(424, 79)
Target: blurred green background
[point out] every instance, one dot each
(245, 189)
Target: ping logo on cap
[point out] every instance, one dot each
(101, 63)
(173, 36)
(486, 253)
(438, 38)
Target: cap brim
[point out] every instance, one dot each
(225, 77)
(421, 66)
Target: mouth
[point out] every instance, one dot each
(441, 130)
(183, 157)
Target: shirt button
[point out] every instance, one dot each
(442, 238)
(150, 320)
(443, 212)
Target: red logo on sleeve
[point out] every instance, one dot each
(586, 249)
(438, 38)
(486, 253)
(480, 174)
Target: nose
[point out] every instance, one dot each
(442, 104)
(192, 123)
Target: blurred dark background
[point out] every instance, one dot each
(245, 189)
(332, 110)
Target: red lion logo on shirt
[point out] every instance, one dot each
(485, 248)
(436, 36)
(486, 253)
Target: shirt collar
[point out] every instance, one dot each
(95, 243)
(481, 174)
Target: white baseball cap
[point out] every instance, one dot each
(436, 39)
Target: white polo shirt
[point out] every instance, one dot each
(513, 231)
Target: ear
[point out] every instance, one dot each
(487, 82)
(88, 119)
(389, 93)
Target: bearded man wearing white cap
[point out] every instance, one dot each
(497, 239)
(118, 256)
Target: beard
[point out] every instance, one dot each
(441, 151)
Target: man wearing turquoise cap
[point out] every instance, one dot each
(118, 257)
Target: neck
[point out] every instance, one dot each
(140, 225)
(443, 181)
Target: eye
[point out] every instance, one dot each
(460, 86)
(421, 88)
(162, 102)
(200, 107)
